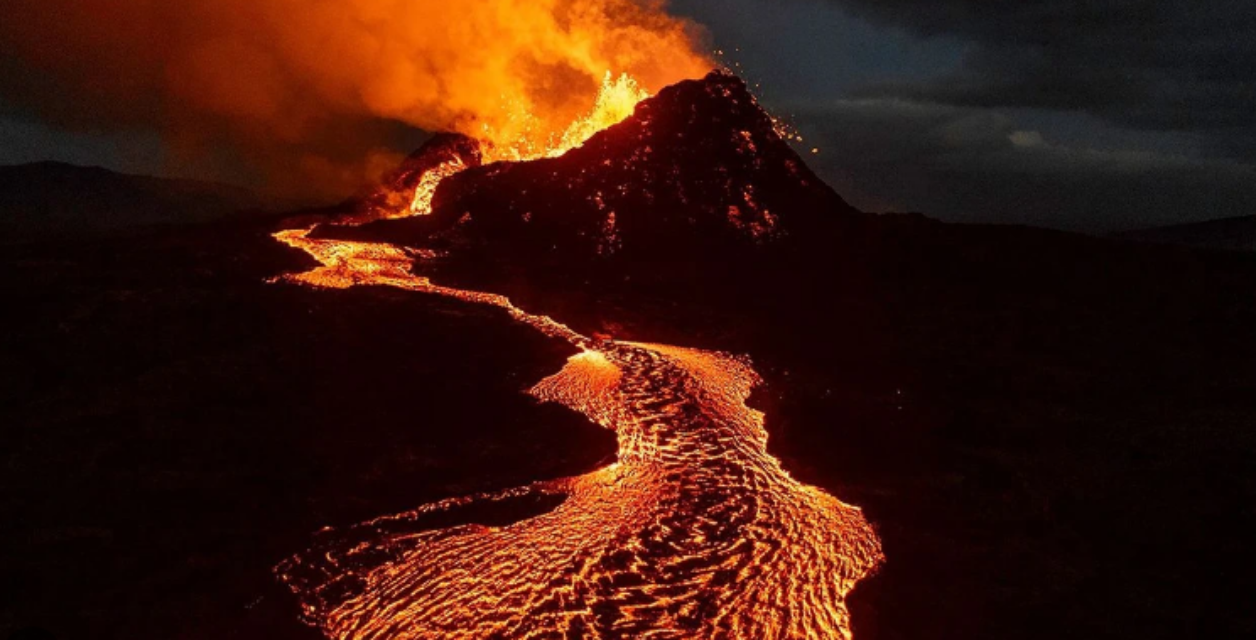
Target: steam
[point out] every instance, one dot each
(307, 92)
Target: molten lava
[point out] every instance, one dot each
(695, 531)
(615, 101)
(426, 191)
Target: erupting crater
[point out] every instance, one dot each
(695, 531)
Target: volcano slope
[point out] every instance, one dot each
(1050, 432)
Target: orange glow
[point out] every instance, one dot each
(301, 87)
(615, 102)
(426, 191)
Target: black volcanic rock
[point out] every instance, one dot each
(699, 165)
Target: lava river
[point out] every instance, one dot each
(694, 532)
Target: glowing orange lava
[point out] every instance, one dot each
(694, 532)
(426, 191)
(616, 100)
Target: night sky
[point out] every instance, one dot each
(1094, 116)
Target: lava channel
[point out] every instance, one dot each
(694, 532)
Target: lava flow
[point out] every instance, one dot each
(694, 532)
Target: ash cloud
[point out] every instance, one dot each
(301, 92)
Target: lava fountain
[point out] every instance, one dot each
(695, 531)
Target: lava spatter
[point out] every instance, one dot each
(694, 532)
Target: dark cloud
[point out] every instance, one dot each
(1152, 64)
(1088, 115)
(979, 165)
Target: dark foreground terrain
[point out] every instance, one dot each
(174, 427)
(1052, 433)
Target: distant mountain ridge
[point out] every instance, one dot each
(54, 199)
(1232, 234)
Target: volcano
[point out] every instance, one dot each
(699, 165)
(700, 168)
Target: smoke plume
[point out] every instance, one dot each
(307, 92)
